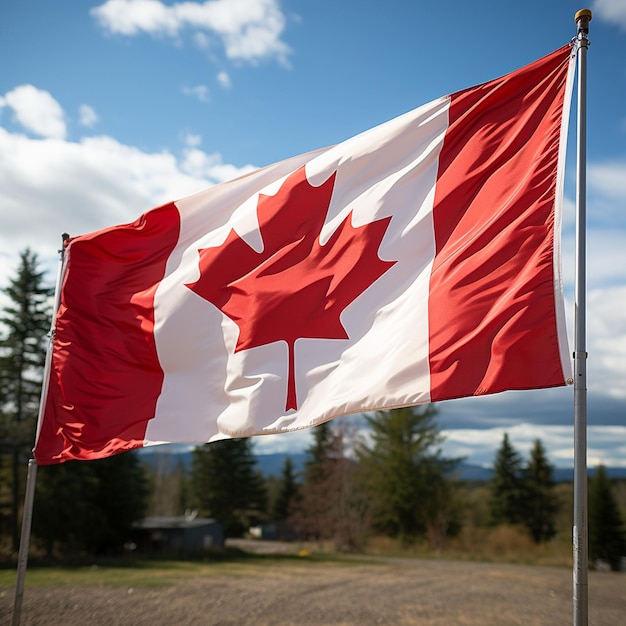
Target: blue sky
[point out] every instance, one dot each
(108, 108)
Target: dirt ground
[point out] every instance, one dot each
(394, 592)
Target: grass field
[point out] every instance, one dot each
(315, 589)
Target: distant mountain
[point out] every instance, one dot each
(469, 472)
(168, 458)
(466, 471)
(165, 459)
(272, 464)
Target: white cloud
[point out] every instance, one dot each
(192, 141)
(199, 164)
(608, 180)
(87, 116)
(201, 92)
(50, 186)
(202, 40)
(297, 441)
(36, 111)
(130, 17)
(249, 30)
(224, 80)
(607, 446)
(605, 273)
(611, 11)
(605, 443)
(606, 328)
(606, 257)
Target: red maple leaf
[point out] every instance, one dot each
(295, 287)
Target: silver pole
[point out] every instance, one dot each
(580, 531)
(22, 559)
(29, 498)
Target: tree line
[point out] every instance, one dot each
(394, 482)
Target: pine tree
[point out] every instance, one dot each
(25, 323)
(227, 486)
(404, 470)
(540, 505)
(322, 451)
(121, 498)
(89, 506)
(63, 509)
(607, 536)
(507, 489)
(288, 492)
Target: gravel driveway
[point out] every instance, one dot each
(384, 591)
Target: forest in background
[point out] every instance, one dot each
(395, 491)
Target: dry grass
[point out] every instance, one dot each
(502, 544)
(285, 591)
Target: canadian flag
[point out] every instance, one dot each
(416, 262)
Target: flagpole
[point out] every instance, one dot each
(31, 476)
(580, 530)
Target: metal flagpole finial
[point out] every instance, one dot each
(64, 241)
(582, 18)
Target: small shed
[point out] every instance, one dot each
(178, 535)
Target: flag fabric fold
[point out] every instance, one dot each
(416, 262)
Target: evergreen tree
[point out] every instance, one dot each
(25, 322)
(322, 451)
(507, 488)
(607, 537)
(6, 496)
(89, 506)
(288, 492)
(405, 472)
(63, 508)
(121, 497)
(540, 503)
(226, 485)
